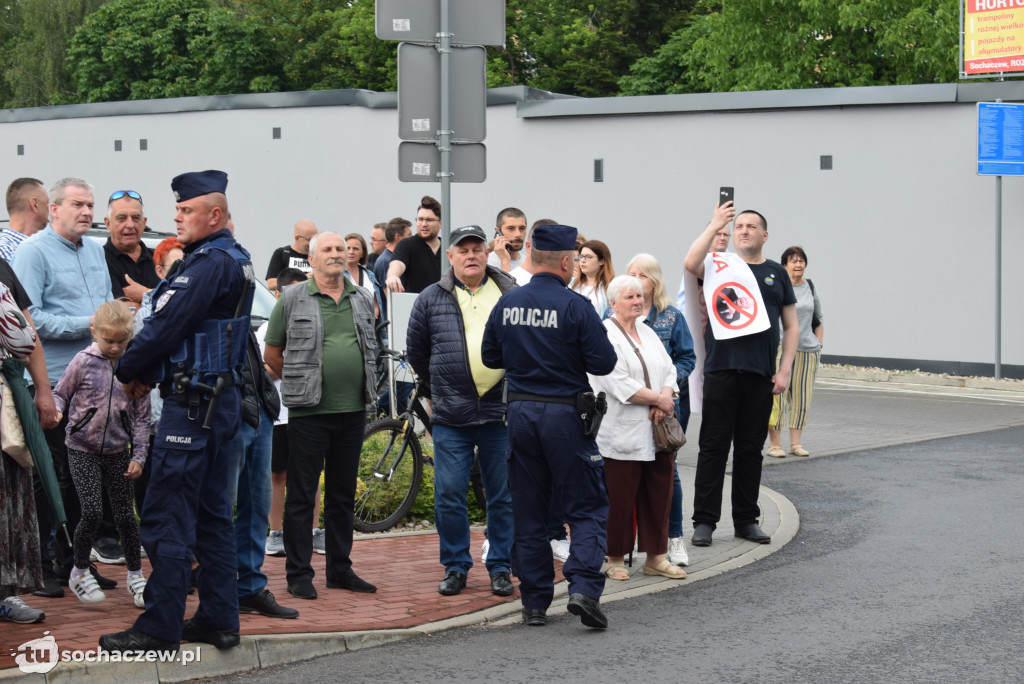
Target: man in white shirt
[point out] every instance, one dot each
(509, 236)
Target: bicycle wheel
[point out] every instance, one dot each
(390, 472)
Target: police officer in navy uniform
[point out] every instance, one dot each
(193, 346)
(547, 338)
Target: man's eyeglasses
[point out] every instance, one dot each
(122, 193)
(421, 219)
(302, 237)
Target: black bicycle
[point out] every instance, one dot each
(391, 465)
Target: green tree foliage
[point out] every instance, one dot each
(581, 47)
(34, 38)
(141, 49)
(780, 44)
(333, 44)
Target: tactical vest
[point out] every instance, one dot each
(301, 384)
(216, 349)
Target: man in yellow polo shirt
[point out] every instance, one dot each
(446, 330)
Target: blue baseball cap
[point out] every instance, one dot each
(554, 238)
(196, 183)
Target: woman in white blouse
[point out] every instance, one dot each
(638, 477)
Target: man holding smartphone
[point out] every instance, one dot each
(509, 237)
(739, 380)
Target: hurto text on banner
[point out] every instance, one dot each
(993, 36)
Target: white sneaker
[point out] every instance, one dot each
(86, 588)
(319, 541)
(136, 586)
(677, 552)
(560, 549)
(275, 543)
(484, 549)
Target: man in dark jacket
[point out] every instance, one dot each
(445, 333)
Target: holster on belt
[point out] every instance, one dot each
(591, 409)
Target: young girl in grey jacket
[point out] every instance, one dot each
(108, 440)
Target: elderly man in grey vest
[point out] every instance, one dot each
(321, 343)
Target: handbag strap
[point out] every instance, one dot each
(647, 378)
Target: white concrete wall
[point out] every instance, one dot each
(900, 235)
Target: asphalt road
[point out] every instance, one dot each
(907, 568)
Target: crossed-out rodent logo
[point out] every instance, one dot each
(38, 655)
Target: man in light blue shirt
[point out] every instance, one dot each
(66, 277)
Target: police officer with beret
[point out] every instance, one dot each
(193, 346)
(547, 338)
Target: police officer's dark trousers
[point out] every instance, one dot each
(187, 511)
(736, 409)
(547, 451)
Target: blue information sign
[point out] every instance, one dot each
(1000, 139)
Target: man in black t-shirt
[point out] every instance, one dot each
(294, 255)
(416, 262)
(129, 260)
(739, 380)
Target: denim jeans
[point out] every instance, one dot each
(675, 511)
(250, 491)
(453, 458)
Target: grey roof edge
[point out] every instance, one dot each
(775, 99)
(306, 98)
(534, 103)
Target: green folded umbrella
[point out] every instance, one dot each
(14, 376)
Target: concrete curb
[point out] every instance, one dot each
(898, 378)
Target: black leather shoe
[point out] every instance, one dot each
(220, 638)
(501, 584)
(264, 603)
(752, 532)
(702, 534)
(453, 582)
(303, 589)
(50, 589)
(535, 617)
(134, 640)
(588, 610)
(352, 582)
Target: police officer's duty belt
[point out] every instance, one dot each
(525, 396)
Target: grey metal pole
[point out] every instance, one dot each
(444, 142)
(999, 274)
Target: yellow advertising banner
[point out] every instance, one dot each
(993, 36)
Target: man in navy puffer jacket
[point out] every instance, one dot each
(445, 334)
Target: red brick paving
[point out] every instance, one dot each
(405, 570)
